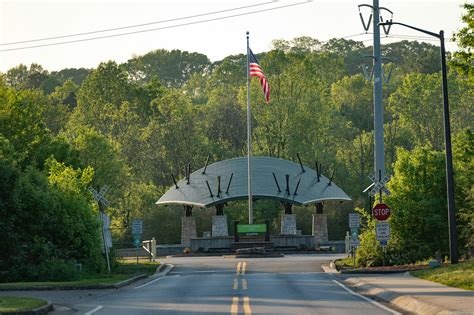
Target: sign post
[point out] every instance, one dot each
(382, 234)
(354, 223)
(137, 231)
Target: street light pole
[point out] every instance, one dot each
(453, 242)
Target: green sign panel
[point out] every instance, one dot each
(136, 240)
(251, 228)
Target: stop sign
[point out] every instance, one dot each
(381, 212)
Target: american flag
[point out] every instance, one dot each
(256, 71)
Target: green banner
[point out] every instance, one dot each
(251, 228)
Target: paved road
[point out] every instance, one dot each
(294, 284)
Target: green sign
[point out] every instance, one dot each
(136, 240)
(251, 228)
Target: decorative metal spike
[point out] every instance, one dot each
(332, 176)
(276, 182)
(230, 181)
(301, 164)
(297, 185)
(209, 187)
(174, 181)
(218, 186)
(205, 166)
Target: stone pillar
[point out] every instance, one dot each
(288, 224)
(188, 230)
(219, 226)
(320, 228)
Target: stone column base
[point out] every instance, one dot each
(188, 230)
(219, 226)
(320, 228)
(288, 224)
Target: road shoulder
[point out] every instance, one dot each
(412, 294)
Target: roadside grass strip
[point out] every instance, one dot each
(15, 304)
(122, 272)
(459, 276)
(59, 284)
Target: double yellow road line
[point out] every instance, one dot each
(234, 308)
(241, 266)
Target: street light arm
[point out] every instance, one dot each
(412, 27)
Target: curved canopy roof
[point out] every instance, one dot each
(197, 192)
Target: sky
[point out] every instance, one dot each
(23, 20)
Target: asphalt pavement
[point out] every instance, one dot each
(294, 284)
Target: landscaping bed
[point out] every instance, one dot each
(124, 271)
(345, 265)
(17, 304)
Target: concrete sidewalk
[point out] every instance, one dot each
(412, 294)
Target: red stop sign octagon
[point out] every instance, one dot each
(381, 212)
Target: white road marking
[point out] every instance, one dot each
(366, 299)
(234, 308)
(247, 309)
(236, 284)
(145, 284)
(244, 265)
(94, 310)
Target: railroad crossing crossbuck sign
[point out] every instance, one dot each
(379, 186)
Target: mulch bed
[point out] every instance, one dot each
(381, 269)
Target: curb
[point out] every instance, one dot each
(42, 310)
(164, 270)
(85, 287)
(404, 302)
(371, 272)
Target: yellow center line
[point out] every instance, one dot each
(244, 284)
(236, 284)
(238, 267)
(234, 308)
(244, 265)
(247, 310)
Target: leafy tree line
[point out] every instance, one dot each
(131, 125)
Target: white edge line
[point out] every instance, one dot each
(150, 282)
(94, 310)
(365, 298)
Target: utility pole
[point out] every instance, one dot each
(379, 155)
(379, 177)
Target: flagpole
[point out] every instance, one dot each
(249, 135)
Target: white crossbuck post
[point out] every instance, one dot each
(99, 196)
(379, 186)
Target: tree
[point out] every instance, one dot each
(173, 68)
(463, 59)
(417, 106)
(224, 124)
(22, 78)
(419, 220)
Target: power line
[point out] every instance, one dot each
(157, 29)
(404, 36)
(136, 25)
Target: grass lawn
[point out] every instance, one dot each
(459, 276)
(124, 271)
(15, 304)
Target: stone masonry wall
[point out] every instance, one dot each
(219, 226)
(188, 230)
